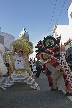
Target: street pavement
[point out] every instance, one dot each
(20, 95)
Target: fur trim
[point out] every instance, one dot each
(19, 44)
(3, 68)
(1, 59)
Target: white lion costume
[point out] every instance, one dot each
(3, 68)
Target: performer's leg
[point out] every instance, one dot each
(38, 72)
(35, 85)
(67, 83)
(50, 80)
(31, 81)
(55, 77)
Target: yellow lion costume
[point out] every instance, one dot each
(19, 69)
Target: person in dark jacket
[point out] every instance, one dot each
(38, 68)
(31, 64)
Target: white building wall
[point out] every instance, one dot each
(8, 39)
(65, 31)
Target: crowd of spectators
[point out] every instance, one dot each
(35, 67)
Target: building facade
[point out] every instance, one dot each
(65, 31)
(6, 39)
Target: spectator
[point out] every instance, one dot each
(31, 64)
(38, 68)
(34, 68)
(34, 60)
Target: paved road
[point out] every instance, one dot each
(22, 96)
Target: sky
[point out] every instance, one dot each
(34, 15)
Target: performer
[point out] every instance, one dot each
(19, 62)
(55, 61)
(31, 64)
(19, 68)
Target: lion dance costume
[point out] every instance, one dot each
(54, 61)
(19, 69)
